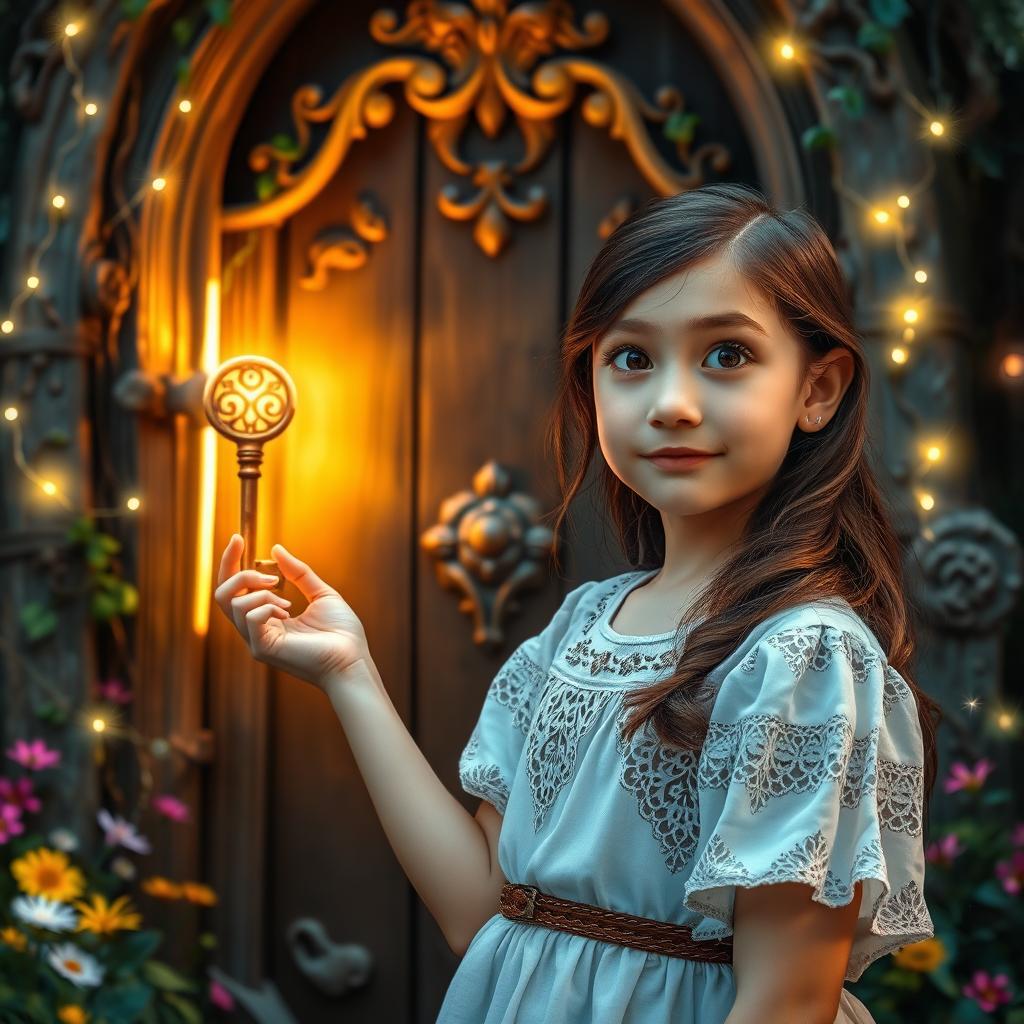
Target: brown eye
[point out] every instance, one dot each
(610, 357)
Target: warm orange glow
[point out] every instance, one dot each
(10, 413)
(903, 201)
(7, 326)
(898, 355)
(133, 504)
(32, 281)
(1013, 364)
(90, 109)
(185, 106)
(920, 276)
(207, 470)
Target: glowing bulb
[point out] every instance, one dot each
(1005, 720)
(909, 333)
(882, 216)
(926, 502)
(185, 106)
(936, 127)
(71, 29)
(898, 355)
(1013, 364)
(7, 326)
(903, 202)
(133, 503)
(159, 184)
(920, 276)
(32, 281)
(98, 724)
(972, 703)
(49, 487)
(10, 414)
(91, 109)
(59, 202)
(910, 315)
(934, 453)
(786, 50)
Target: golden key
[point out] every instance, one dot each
(250, 399)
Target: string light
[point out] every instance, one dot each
(926, 501)
(71, 29)
(909, 334)
(58, 202)
(786, 50)
(920, 276)
(903, 201)
(910, 315)
(899, 355)
(133, 504)
(185, 106)
(32, 282)
(7, 326)
(90, 109)
(159, 184)
(1013, 365)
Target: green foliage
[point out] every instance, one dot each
(851, 100)
(875, 38)
(818, 136)
(680, 126)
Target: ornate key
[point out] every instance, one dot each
(250, 399)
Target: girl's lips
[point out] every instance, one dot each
(678, 462)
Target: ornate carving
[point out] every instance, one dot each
(345, 248)
(971, 566)
(488, 545)
(331, 967)
(490, 63)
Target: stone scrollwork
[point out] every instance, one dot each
(481, 61)
(971, 566)
(489, 546)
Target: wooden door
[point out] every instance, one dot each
(422, 347)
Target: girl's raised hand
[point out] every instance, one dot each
(322, 642)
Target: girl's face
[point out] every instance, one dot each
(702, 360)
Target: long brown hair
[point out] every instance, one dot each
(822, 529)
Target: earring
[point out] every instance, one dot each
(817, 419)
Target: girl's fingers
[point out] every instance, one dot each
(256, 619)
(244, 603)
(310, 585)
(249, 579)
(231, 560)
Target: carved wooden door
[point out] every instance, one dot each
(411, 264)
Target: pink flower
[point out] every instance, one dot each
(171, 807)
(988, 992)
(114, 691)
(1012, 872)
(962, 777)
(944, 851)
(10, 822)
(122, 833)
(34, 755)
(1018, 834)
(220, 996)
(19, 793)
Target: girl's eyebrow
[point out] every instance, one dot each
(731, 318)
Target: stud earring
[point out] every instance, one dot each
(817, 419)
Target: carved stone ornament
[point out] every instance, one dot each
(489, 545)
(489, 61)
(971, 568)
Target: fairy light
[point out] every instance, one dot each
(32, 282)
(972, 704)
(926, 501)
(1013, 365)
(58, 202)
(98, 725)
(159, 184)
(1005, 720)
(920, 276)
(898, 355)
(133, 504)
(937, 127)
(786, 50)
(909, 334)
(881, 216)
(10, 414)
(903, 201)
(90, 109)
(185, 106)
(71, 29)
(910, 315)
(7, 326)
(933, 453)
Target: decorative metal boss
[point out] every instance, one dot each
(250, 399)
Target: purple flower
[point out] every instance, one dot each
(988, 992)
(944, 851)
(1012, 872)
(10, 823)
(113, 690)
(171, 807)
(971, 779)
(19, 793)
(34, 755)
(121, 833)
(220, 996)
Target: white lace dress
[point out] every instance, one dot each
(811, 772)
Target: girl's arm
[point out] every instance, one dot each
(789, 954)
(449, 856)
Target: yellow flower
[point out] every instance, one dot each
(45, 872)
(105, 920)
(196, 892)
(161, 887)
(72, 1015)
(13, 938)
(924, 956)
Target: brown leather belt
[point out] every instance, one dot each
(528, 904)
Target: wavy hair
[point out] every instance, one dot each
(821, 530)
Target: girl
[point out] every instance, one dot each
(705, 781)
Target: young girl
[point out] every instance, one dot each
(705, 781)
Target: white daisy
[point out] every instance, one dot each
(44, 913)
(123, 868)
(64, 839)
(77, 966)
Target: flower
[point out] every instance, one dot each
(75, 964)
(10, 822)
(162, 888)
(962, 777)
(1012, 872)
(13, 938)
(923, 956)
(171, 807)
(20, 793)
(34, 755)
(104, 919)
(121, 833)
(196, 892)
(44, 913)
(114, 691)
(45, 872)
(988, 992)
(220, 996)
(64, 839)
(72, 1014)
(944, 851)
(123, 868)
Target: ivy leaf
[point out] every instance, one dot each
(134, 949)
(38, 620)
(183, 29)
(185, 1007)
(680, 126)
(129, 598)
(52, 713)
(874, 37)
(266, 186)
(219, 11)
(818, 136)
(851, 100)
(103, 605)
(285, 144)
(889, 12)
(165, 977)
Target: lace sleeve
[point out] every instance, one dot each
(812, 771)
(488, 763)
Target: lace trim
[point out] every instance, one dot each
(814, 647)
(894, 689)
(484, 780)
(593, 659)
(515, 686)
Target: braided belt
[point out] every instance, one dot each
(528, 904)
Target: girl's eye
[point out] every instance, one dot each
(728, 346)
